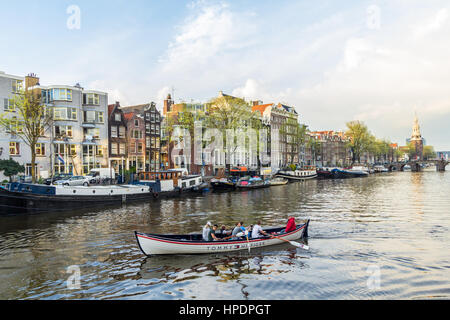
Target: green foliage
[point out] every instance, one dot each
(29, 120)
(11, 168)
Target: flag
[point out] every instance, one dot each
(60, 158)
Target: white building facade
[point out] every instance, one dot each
(76, 142)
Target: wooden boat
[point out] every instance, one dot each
(298, 174)
(153, 244)
(278, 181)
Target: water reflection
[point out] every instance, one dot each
(354, 224)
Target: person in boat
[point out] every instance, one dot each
(206, 230)
(238, 229)
(290, 226)
(223, 232)
(212, 233)
(257, 231)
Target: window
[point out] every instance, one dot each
(15, 126)
(152, 117)
(62, 94)
(147, 128)
(157, 129)
(91, 98)
(117, 117)
(8, 105)
(100, 117)
(113, 132)
(153, 129)
(139, 148)
(122, 148)
(157, 143)
(99, 152)
(63, 132)
(92, 132)
(17, 86)
(137, 134)
(121, 132)
(113, 148)
(136, 123)
(64, 113)
(14, 148)
(147, 142)
(89, 116)
(40, 149)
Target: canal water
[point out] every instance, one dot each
(382, 237)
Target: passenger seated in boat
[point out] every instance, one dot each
(238, 229)
(257, 231)
(206, 230)
(212, 233)
(223, 232)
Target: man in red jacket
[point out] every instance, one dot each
(290, 225)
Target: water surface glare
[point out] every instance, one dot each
(383, 237)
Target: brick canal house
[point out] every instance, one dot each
(150, 120)
(177, 158)
(117, 133)
(333, 149)
(135, 141)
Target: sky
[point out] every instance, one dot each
(334, 61)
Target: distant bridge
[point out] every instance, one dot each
(416, 165)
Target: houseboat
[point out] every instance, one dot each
(299, 174)
(18, 198)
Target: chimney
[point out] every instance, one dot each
(31, 80)
(167, 104)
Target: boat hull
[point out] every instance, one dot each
(296, 178)
(162, 245)
(13, 203)
(223, 186)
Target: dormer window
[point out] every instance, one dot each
(117, 117)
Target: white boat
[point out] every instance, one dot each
(278, 181)
(358, 171)
(153, 244)
(380, 168)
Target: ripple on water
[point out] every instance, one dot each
(396, 223)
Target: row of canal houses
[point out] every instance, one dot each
(88, 133)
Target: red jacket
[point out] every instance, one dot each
(290, 225)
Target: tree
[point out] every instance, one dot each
(429, 153)
(28, 119)
(360, 139)
(231, 113)
(11, 168)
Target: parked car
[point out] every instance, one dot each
(25, 179)
(75, 181)
(58, 177)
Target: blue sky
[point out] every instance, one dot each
(335, 61)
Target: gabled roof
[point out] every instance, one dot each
(261, 108)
